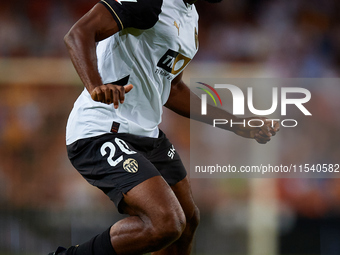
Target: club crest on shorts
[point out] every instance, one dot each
(130, 165)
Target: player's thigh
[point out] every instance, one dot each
(184, 195)
(153, 200)
(111, 164)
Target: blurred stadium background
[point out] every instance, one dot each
(44, 202)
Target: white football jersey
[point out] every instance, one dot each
(157, 40)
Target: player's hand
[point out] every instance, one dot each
(261, 134)
(110, 93)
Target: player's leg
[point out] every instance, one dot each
(156, 221)
(183, 245)
(134, 184)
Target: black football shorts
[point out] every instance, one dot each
(118, 162)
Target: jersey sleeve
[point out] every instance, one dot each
(140, 14)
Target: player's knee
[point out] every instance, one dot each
(194, 220)
(169, 230)
(172, 227)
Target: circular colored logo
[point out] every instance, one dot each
(130, 165)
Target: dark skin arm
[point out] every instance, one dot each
(94, 26)
(181, 98)
(98, 24)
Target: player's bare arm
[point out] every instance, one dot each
(94, 26)
(184, 102)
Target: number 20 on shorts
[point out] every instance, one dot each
(121, 144)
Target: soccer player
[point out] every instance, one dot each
(130, 55)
